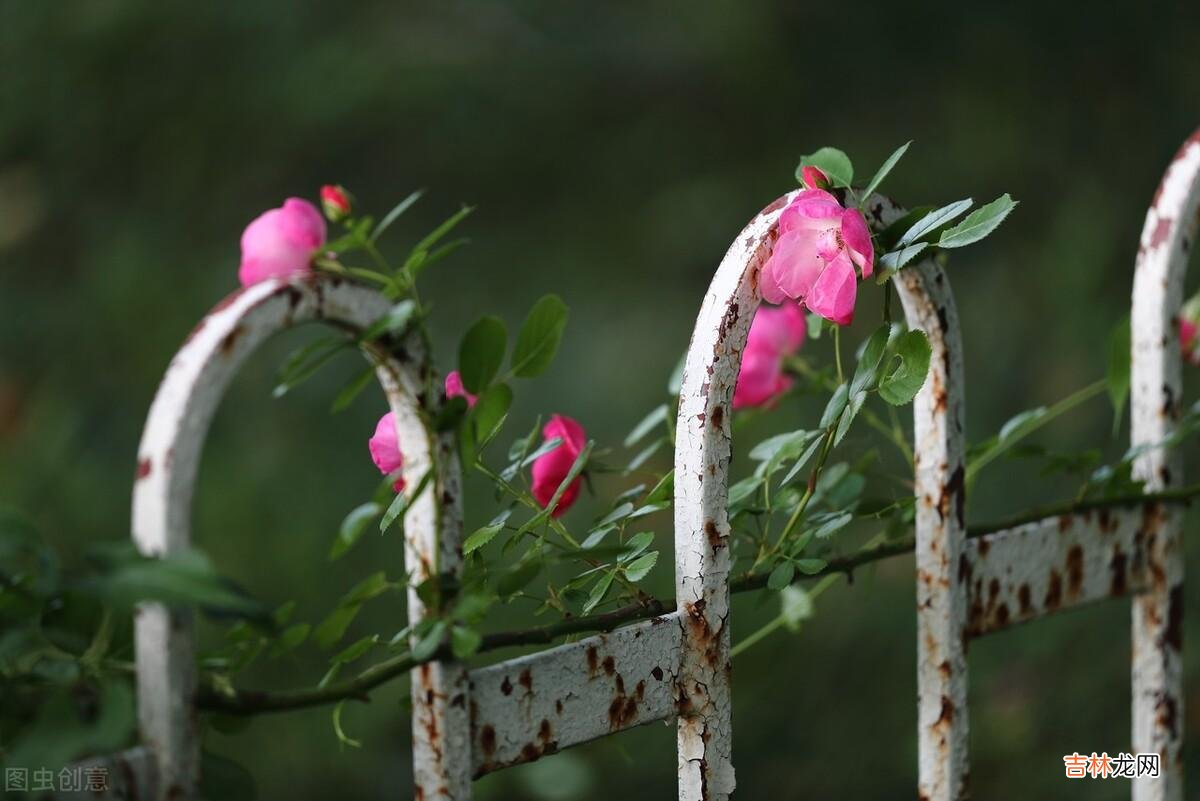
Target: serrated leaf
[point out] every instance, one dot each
(831, 161)
(401, 502)
(539, 337)
(891, 263)
(883, 171)
(481, 352)
(903, 384)
(599, 590)
(853, 406)
(934, 220)
(978, 223)
(481, 537)
(835, 406)
(647, 424)
(636, 544)
(639, 568)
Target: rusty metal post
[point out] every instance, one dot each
(702, 453)
(1155, 405)
(168, 458)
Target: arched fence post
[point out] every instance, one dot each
(168, 459)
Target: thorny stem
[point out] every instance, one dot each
(252, 702)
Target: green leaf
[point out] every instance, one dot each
(356, 650)
(639, 568)
(814, 324)
(292, 637)
(885, 169)
(675, 381)
(1117, 376)
(540, 334)
(853, 406)
(643, 456)
(490, 412)
(647, 424)
(518, 577)
(781, 576)
(620, 513)
(464, 641)
(934, 220)
(867, 372)
(837, 403)
(184, 579)
(428, 645)
(440, 232)
(891, 263)
(394, 323)
(481, 537)
(664, 490)
(978, 223)
(351, 390)
(352, 528)
(902, 385)
(395, 213)
(811, 567)
(481, 353)
(830, 161)
(400, 503)
(636, 544)
(833, 525)
(599, 590)
(304, 362)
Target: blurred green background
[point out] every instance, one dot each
(613, 151)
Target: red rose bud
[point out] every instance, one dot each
(336, 202)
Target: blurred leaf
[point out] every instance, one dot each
(464, 642)
(481, 352)
(356, 650)
(394, 323)
(795, 606)
(490, 412)
(891, 263)
(225, 779)
(835, 406)
(518, 577)
(648, 423)
(352, 528)
(831, 161)
(978, 223)
(1119, 349)
(639, 568)
(401, 502)
(481, 537)
(394, 214)
(351, 390)
(540, 334)
(75, 722)
(781, 576)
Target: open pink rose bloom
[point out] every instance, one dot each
(385, 449)
(776, 333)
(279, 243)
(820, 243)
(551, 468)
(455, 388)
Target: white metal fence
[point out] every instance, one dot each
(467, 723)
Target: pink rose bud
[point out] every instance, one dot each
(552, 467)
(455, 388)
(280, 243)
(775, 334)
(1189, 327)
(813, 261)
(336, 202)
(814, 178)
(385, 450)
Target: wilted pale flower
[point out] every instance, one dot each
(336, 202)
(455, 388)
(280, 243)
(813, 261)
(552, 467)
(776, 333)
(385, 450)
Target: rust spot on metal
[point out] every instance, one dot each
(985, 545)
(593, 660)
(964, 568)
(1108, 523)
(1053, 591)
(711, 531)
(1117, 566)
(229, 341)
(487, 740)
(657, 673)
(774, 205)
(945, 669)
(1065, 522)
(545, 732)
(1074, 571)
(558, 706)
(1002, 615)
(1167, 713)
(143, 467)
(947, 715)
(526, 680)
(952, 494)
(609, 665)
(717, 417)
(1162, 231)
(1025, 600)
(506, 686)
(1173, 635)
(622, 712)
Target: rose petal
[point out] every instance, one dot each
(812, 207)
(797, 264)
(834, 293)
(385, 449)
(857, 237)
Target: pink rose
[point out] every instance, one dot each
(385, 449)
(552, 467)
(455, 388)
(1189, 327)
(279, 243)
(335, 200)
(813, 262)
(776, 333)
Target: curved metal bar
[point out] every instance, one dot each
(702, 451)
(1155, 405)
(168, 458)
